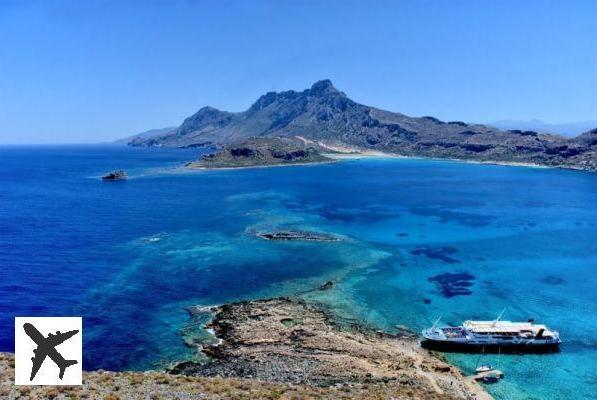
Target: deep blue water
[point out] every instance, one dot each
(130, 256)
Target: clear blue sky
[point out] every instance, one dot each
(89, 71)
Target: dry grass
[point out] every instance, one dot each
(158, 386)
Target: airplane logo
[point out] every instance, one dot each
(48, 350)
(46, 347)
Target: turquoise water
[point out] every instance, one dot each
(130, 256)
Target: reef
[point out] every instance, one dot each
(444, 253)
(454, 284)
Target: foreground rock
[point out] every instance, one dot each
(291, 342)
(262, 152)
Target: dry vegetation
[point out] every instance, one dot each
(157, 385)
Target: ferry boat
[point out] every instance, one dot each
(475, 336)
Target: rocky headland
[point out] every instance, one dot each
(289, 341)
(259, 152)
(326, 117)
(277, 349)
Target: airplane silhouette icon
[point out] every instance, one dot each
(46, 347)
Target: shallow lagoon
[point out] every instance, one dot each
(425, 239)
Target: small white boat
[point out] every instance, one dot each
(484, 368)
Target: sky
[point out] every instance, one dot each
(92, 71)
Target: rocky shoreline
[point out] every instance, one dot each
(278, 348)
(290, 341)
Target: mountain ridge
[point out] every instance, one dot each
(327, 115)
(145, 135)
(566, 129)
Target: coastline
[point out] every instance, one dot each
(278, 348)
(380, 154)
(339, 157)
(292, 341)
(191, 167)
(339, 153)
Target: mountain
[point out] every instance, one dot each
(326, 116)
(570, 129)
(145, 135)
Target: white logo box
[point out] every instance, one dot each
(45, 330)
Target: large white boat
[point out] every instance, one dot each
(492, 335)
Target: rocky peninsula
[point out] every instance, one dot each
(292, 342)
(262, 152)
(278, 348)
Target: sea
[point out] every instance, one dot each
(422, 239)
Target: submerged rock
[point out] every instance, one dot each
(442, 253)
(454, 284)
(327, 285)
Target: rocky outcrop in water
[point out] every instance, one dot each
(326, 115)
(298, 236)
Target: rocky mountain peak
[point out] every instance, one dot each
(208, 110)
(205, 116)
(324, 87)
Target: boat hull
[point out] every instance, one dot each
(508, 348)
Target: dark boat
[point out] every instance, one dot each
(115, 176)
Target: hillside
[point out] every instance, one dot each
(569, 129)
(152, 133)
(326, 115)
(262, 152)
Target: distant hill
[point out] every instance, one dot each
(570, 129)
(263, 152)
(144, 135)
(326, 116)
